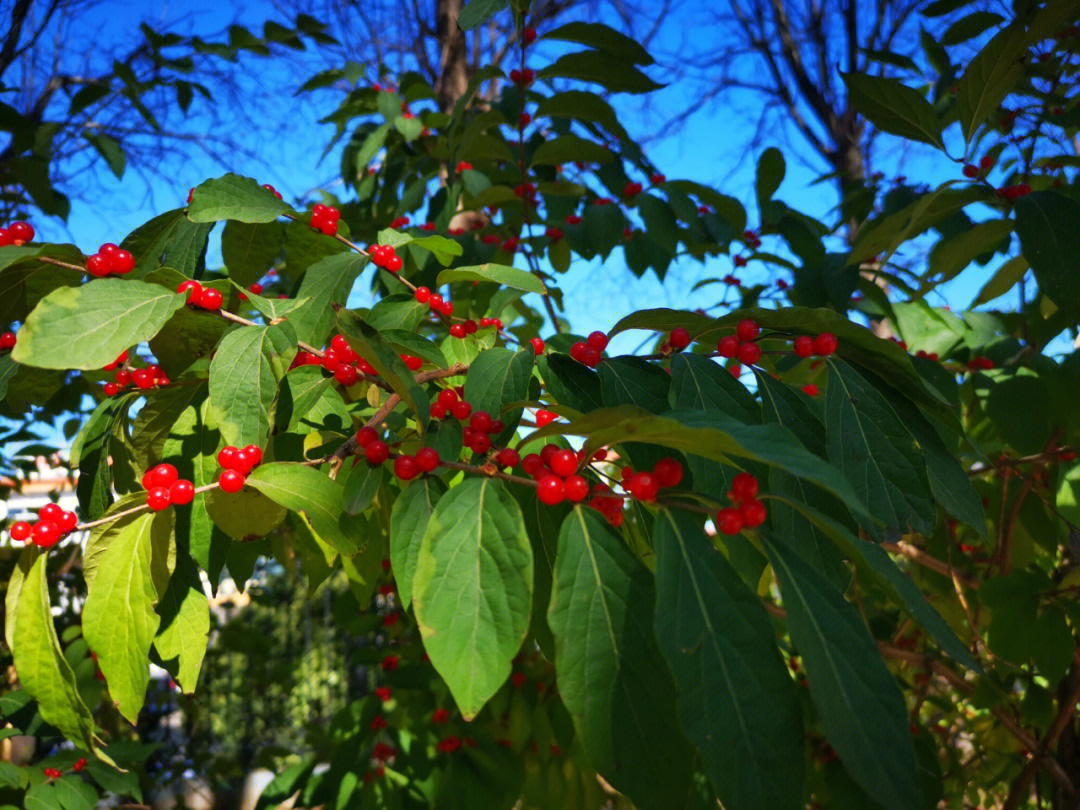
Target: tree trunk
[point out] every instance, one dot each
(453, 56)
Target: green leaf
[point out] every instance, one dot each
(1007, 276)
(311, 493)
(244, 377)
(700, 383)
(866, 439)
(570, 148)
(304, 246)
(949, 256)
(119, 620)
(414, 344)
(87, 327)
(157, 416)
(570, 383)
(389, 365)
(603, 38)
(607, 663)
(234, 197)
(327, 282)
(245, 515)
(250, 249)
(580, 105)
(633, 381)
(109, 149)
(495, 273)
(736, 700)
(192, 448)
(8, 369)
(496, 378)
(43, 671)
(408, 523)
(362, 482)
(472, 590)
(400, 311)
(270, 308)
(970, 26)
(616, 75)
(185, 624)
(858, 701)
(990, 77)
(22, 567)
(477, 12)
(770, 174)
(894, 107)
(1046, 224)
(443, 249)
(168, 240)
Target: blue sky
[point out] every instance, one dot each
(712, 147)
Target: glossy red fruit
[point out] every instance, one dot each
(744, 487)
(111, 389)
(532, 464)
(68, 521)
(971, 170)
(227, 457)
(825, 344)
(8, 340)
(803, 346)
(21, 231)
(447, 397)
(508, 457)
(576, 488)
(122, 262)
(123, 377)
(679, 338)
(728, 346)
(97, 266)
(753, 513)
(748, 353)
(245, 461)
(481, 421)
(181, 492)
(253, 451)
(412, 363)
(810, 389)
(598, 340)
(52, 512)
(545, 418)
(406, 468)
(563, 463)
(461, 410)
(20, 530)
(231, 481)
(668, 472)
(747, 330)
(210, 299)
(551, 490)
(427, 459)
(590, 356)
(528, 36)
(158, 498)
(480, 443)
(45, 533)
(377, 452)
(729, 521)
(457, 330)
(346, 375)
(162, 475)
(422, 295)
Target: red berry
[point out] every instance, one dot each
(163, 475)
(422, 295)
(246, 461)
(679, 338)
(68, 521)
(729, 521)
(45, 533)
(752, 513)
(481, 421)
(971, 171)
(412, 363)
(744, 487)
(532, 464)
(803, 345)
(564, 463)
(111, 389)
(438, 410)
(21, 231)
(461, 410)
(480, 443)
(810, 389)
(537, 345)
(143, 378)
(8, 340)
(728, 346)
(346, 375)
(123, 377)
(668, 472)
(470, 327)
(457, 330)
(508, 457)
(20, 530)
(227, 457)
(406, 468)
(747, 330)
(231, 481)
(748, 353)
(551, 490)
(643, 486)
(427, 459)
(158, 498)
(51, 511)
(986, 163)
(528, 36)
(598, 340)
(191, 287)
(447, 397)
(576, 488)
(377, 452)
(97, 265)
(825, 344)
(181, 492)
(545, 417)
(122, 262)
(210, 299)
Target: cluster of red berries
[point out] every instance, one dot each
(644, 486)
(1014, 192)
(573, 219)
(747, 512)
(254, 289)
(435, 302)
(17, 233)
(632, 189)
(110, 260)
(386, 257)
(980, 364)
(401, 222)
(143, 378)
(822, 345)
(52, 524)
(590, 352)
(608, 504)
(440, 716)
(341, 361)
(985, 164)
(7, 340)
(741, 345)
(465, 328)
(523, 77)
(202, 297)
(236, 463)
(752, 239)
(325, 218)
(164, 488)
(463, 166)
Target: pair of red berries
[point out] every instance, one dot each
(164, 488)
(975, 364)
(608, 504)
(1014, 192)
(590, 351)
(645, 486)
(985, 165)
(7, 340)
(52, 524)
(463, 166)
(325, 218)
(435, 302)
(17, 233)
(752, 239)
(408, 467)
(632, 189)
(822, 345)
(464, 329)
(741, 345)
(237, 463)
(386, 257)
(202, 297)
(748, 511)
(449, 402)
(486, 322)
(400, 222)
(523, 77)
(256, 289)
(573, 219)
(110, 260)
